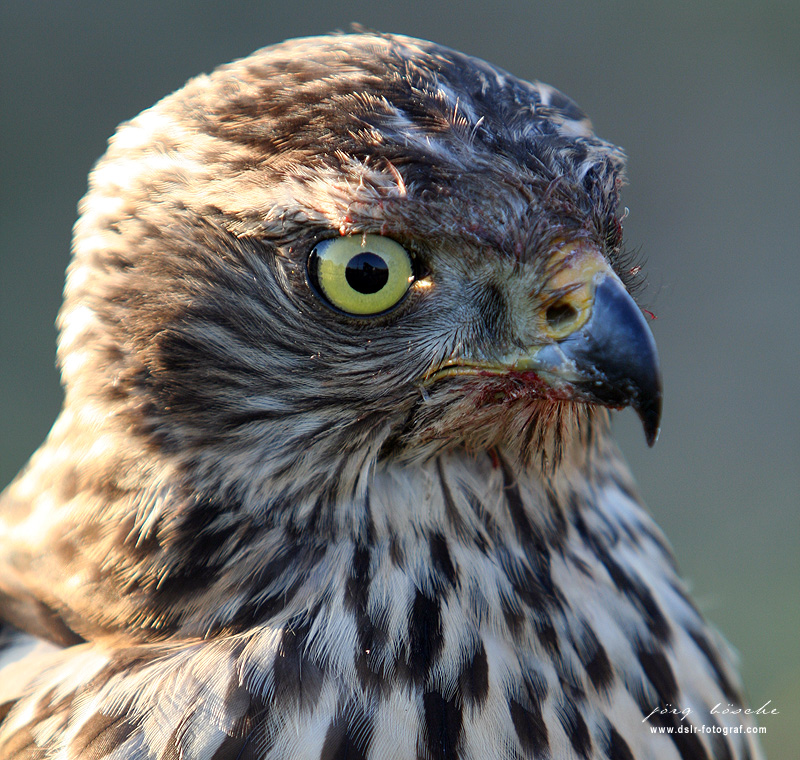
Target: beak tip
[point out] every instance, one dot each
(650, 415)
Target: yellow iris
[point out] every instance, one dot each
(362, 274)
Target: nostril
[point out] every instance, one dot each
(560, 315)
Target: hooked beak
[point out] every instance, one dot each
(611, 360)
(606, 355)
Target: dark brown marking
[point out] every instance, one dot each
(371, 638)
(172, 751)
(593, 657)
(22, 745)
(599, 669)
(473, 680)
(442, 562)
(424, 637)
(5, 709)
(298, 679)
(530, 728)
(633, 588)
(575, 727)
(535, 686)
(560, 528)
(443, 721)
(33, 616)
(512, 614)
(659, 672)
(236, 748)
(396, 553)
(618, 748)
(250, 739)
(348, 737)
(547, 636)
(516, 507)
(100, 735)
(703, 644)
(450, 509)
(688, 745)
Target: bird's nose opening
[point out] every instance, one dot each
(561, 316)
(574, 267)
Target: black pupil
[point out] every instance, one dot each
(366, 273)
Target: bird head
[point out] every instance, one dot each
(344, 249)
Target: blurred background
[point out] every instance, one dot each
(705, 98)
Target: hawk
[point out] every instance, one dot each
(333, 476)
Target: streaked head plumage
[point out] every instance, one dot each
(190, 320)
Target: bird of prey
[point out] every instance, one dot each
(333, 477)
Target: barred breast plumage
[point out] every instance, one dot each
(333, 476)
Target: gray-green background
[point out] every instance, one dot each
(705, 97)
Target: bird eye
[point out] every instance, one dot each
(361, 274)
